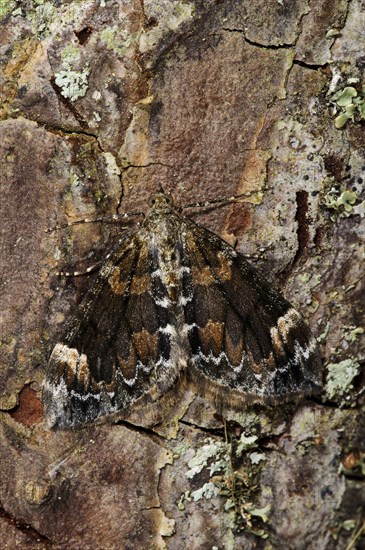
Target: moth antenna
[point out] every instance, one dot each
(53, 468)
(116, 218)
(222, 200)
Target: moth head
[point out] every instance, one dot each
(161, 201)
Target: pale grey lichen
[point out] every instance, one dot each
(42, 17)
(212, 449)
(73, 84)
(322, 337)
(246, 442)
(340, 379)
(236, 484)
(359, 209)
(331, 33)
(261, 512)
(208, 491)
(112, 167)
(16, 12)
(256, 457)
(74, 180)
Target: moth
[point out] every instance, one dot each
(175, 301)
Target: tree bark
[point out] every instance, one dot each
(103, 102)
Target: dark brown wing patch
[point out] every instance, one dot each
(244, 336)
(117, 346)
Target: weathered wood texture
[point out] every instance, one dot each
(104, 100)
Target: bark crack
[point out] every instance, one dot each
(310, 66)
(218, 432)
(259, 44)
(63, 131)
(148, 165)
(142, 430)
(301, 217)
(26, 528)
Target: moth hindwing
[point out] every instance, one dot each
(174, 300)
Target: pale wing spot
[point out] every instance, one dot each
(287, 322)
(165, 303)
(85, 396)
(183, 300)
(234, 351)
(301, 353)
(131, 381)
(157, 273)
(84, 373)
(168, 329)
(69, 361)
(222, 357)
(277, 341)
(65, 355)
(187, 328)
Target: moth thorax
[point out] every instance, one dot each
(161, 200)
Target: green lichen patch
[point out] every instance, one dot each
(344, 97)
(118, 43)
(352, 333)
(340, 378)
(169, 15)
(331, 33)
(323, 336)
(342, 202)
(349, 104)
(74, 181)
(70, 55)
(5, 7)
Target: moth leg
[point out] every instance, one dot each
(221, 200)
(90, 269)
(115, 218)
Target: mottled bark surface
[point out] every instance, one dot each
(103, 101)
